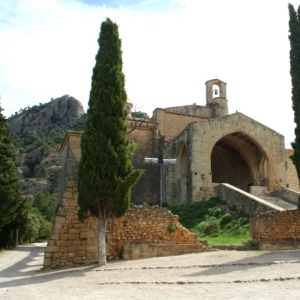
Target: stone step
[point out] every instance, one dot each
(279, 202)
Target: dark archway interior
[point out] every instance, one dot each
(235, 160)
(183, 159)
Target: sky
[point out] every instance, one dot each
(170, 49)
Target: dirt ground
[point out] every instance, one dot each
(211, 275)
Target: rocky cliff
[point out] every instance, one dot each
(56, 114)
(37, 133)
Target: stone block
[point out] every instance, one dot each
(52, 249)
(55, 255)
(54, 237)
(91, 249)
(47, 262)
(73, 236)
(77, 260)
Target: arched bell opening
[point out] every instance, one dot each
(238, 160)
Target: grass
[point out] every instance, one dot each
(236, 240)
(213, 221)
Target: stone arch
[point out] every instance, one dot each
(238, 159)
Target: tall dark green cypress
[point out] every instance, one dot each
(12, 206)
(105, 173)
(294, 37)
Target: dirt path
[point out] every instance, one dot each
(212, 275)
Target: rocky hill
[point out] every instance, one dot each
(57, 114)
(37, 133)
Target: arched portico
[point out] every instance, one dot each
(237, 159)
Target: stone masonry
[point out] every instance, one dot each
(73, 242)
(276, 230)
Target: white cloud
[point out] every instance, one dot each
(48, 50)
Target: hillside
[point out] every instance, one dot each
(37, 133)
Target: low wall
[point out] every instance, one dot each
(146, 224)
(134, 251)
(74, 243)
(288, 195)
(243, 201)
(276, 230)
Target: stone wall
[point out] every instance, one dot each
(146, 224)
(134, 251)
(72, 242)
(145, 134)
(261, 148)
(292, 180)
(243, 201)
(172, 123)
(286, 194)
(276, 230)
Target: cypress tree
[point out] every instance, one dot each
(294, 37)
(12, 206)
(105, 175)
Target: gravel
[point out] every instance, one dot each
(210, 275)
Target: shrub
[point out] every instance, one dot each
(208, 227)
(227, 218)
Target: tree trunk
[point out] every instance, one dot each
(101, 241)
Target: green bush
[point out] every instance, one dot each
(225, 219)
(208, 227)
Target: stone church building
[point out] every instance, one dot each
(211, 147)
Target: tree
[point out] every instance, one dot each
(294, 37)
(12, 205)
(105, 175)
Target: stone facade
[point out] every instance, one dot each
(292, 180)
(234, 149)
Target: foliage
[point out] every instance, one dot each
(225, 219)
(11, 203)
(40, 219)
(172, 228)
(191, 215)
(294, 37)
(105, 175)
(213, 220)
(28, 141)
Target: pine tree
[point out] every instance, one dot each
(105, 173)
(12, 206)
(294, 37)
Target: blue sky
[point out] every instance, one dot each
(170, 49)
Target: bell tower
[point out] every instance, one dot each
(216, 97)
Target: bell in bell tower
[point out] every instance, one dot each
(216, 97)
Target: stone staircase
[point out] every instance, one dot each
(279, 202)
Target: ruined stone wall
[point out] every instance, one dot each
(276, 230)
(73, 243)
(146, 224)
(292, 181)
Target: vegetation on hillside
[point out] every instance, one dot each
(214, 221)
